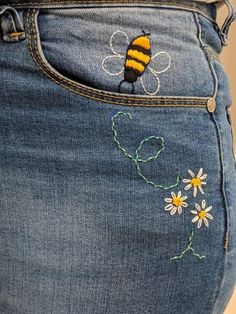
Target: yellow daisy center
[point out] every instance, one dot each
(177, 201)
(202, 214)
(196, 181)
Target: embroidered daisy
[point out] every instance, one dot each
(202, 213)
(176, 203)
(196, 181)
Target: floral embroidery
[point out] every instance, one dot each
(135, 62)
(202, 213)
(176, 203)
(196, 181)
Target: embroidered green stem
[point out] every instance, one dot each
(137, 160)
(189, 248)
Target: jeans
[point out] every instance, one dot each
(117, 170)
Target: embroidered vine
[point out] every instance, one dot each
(177, 202)
(188, 248)
(136, 159)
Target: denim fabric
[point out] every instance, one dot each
(99, 195)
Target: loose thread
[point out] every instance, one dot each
(189, 248)
(137, 158)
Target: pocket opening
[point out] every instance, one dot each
(38, 56)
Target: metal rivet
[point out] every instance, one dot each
(211, 105)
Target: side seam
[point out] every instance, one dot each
(204, 48)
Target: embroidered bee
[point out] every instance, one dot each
(135, 63)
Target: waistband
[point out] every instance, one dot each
(207, 10)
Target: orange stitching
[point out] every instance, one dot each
(212, 54)
(41, 63)
(15, 34)
(226, 240)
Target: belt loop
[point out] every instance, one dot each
(224, 30)
(11, 24)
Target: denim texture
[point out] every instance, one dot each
(86, 172)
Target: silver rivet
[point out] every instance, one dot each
(211, 105)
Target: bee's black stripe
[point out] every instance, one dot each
(140, 49)
(128, 68)
(137, 60)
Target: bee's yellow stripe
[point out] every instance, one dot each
(143, 42)
(135, 65)
(139, 55)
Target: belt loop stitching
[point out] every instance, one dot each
(223, 32)
(11, 24)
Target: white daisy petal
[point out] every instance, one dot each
(200, 189)
(191, 173)
(194, 212)
(173, 211)
(196, 218)
(173, 194)
(203, 177)
(203, 204)
(197, 207)
(184, 198)
(199, 223)
(188, 187)
(168, 200)
(186, 180)
(200, 173)
(194, 191)
(179, 194)
(184, 204)
(209, 216)
(206, 222)
(179, 209)
(203, 183)
(208, 209)
(169, 207)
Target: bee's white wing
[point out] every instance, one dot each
(114, 64)
(119, 42)
(150, 82)
(160, 62)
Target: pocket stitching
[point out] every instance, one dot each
(94, 94)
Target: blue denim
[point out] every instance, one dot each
(117, 201)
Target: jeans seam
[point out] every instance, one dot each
(211, 54)
(229, 118)
(222, 162)
(204, 48)
(227, 218)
